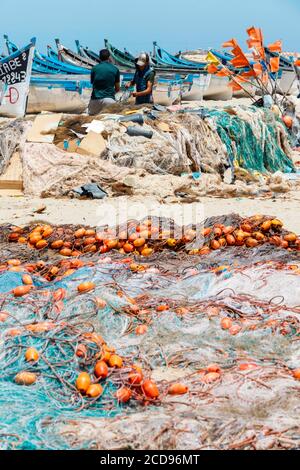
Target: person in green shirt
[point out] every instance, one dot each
(105, 78)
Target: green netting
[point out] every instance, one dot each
(252, 139)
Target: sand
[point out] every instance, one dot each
(20, 209)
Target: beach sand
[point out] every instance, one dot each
(19, 210)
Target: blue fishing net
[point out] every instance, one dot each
(240, 283)
(253, 144)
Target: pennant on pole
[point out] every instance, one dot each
(275, 47)
(274, 64)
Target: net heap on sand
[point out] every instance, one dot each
(134, 331)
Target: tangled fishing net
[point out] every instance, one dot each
(215, 328)
(255, 139)
(203, 141)
(12, 138)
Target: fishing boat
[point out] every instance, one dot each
(69, 57)
(124, 60)
(195, 87)
(46, 65)
(15, 75)
(161, 57)
(167, 92)
(58, 95)
(218, 89)
(86, 52)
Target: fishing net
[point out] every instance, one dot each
(238, 407)
(255, 139)
(12, 138)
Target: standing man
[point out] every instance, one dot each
(143, 80)
(105, 78)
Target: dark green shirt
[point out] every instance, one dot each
(104, 76)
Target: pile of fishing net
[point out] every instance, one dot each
(255, 138)
(215, 333)
(191, 146)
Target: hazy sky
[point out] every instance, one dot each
(175, 24)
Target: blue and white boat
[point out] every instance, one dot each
(48, 65)
(61, 95)
(15, 75)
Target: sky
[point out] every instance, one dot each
(135, 24)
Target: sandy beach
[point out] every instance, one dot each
(20, 210)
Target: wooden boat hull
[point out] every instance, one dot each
(195, 87)
(166, 93)
(15, 74)
(71, 58)
(289, 83)
(58, 99)
(248, 88)
(218, 89)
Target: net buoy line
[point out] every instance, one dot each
(86, 316)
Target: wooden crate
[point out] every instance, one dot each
(13, 176)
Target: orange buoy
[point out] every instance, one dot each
(57, 244)
(211, 377)
(14, 332)
(288, 121)
(90, 233)
(128, 248)
(213, 368)
(14, 262)
(32, 355)
(215, 245)
(101, 304)
(65, 252)
(81, 351)
(296, 374)
(115, 361)
(150, 389)
(135, 378)
(290, 237)
(162, 308)
(248, 367)
(139, 242)
(101, 370)
(235, 330)
(147, 252)
(123, 395)
(3, 316)
(226, 323)
(178, 389)
(86, 287)
(27, 280)
(83, 382)
(25, 378)
(141, 330)
(79, 233)
(94, 391)
(21, 290)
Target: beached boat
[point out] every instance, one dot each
(218, 89)
(195, 86)
(124, 60)
(167, 92)
(87, 53)
(15, 75)
(47, 65)
(69, 57)
(58, 95)
(162, 57)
